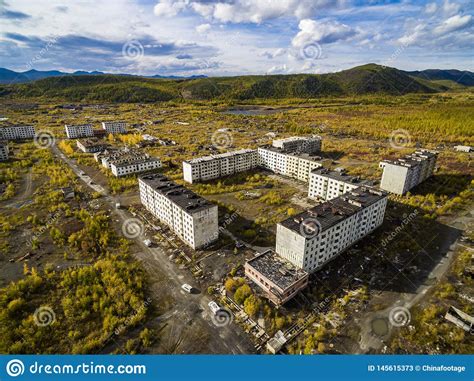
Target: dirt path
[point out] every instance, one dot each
(370, 341)
(166, 278)
(27, 186)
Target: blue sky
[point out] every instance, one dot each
(231, 37)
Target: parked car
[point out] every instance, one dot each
(214, 307)
(187, 287)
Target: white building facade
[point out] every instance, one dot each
(312, 238)
(216, 166)
(131, 166)
(17, 132)
(78, 131)
(326, 185)
(115, 127)
(301, 144)
(401, 175)
(191, 217)
(293, 165)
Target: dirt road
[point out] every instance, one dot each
(166, 278)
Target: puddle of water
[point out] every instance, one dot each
(379, 326)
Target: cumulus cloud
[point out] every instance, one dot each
(452, 24)
(270, 54)
(246, 11)
(442, 29)
(203, 28)
(169, 8)
(327, 32)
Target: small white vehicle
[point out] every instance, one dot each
(187, 287)
(214, 307)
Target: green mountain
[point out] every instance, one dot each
(465, 78)
(361, 80)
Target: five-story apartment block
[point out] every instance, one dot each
(78, 131)
(312, 238)
(4, 152)
(401, 175)
(326, 184)
(291, 164)
(216, 166)
(301, 144)
(191, 217)
(115, 127)
(134, 165)
(17, 132)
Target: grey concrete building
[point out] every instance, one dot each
(326, 184)
(303, 144)
(401, 175)
(4, 152)
(291, 164)
(216, 166)
(17, 132)
(191, 217)
(78, 131)
(312, 238)
(279, 279)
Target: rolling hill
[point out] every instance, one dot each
(361, 80)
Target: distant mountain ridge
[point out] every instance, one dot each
(8, 76)
(360, 80)
(462, 77)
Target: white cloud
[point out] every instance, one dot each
(279, 69)
(247, 11)
(450, 8)
(453, 23)
(169, 8)
(203, 28)
(327, 32)
(270, 54)
(441, 31)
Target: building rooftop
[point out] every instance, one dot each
(6, 125)
(184, 198)
(302, 155)
(133, 161)
(219, 156)
(78, 125)
(298, 138)
(333, 211)
(91, 142)
(413, 159)
(341, 176)
(281, 272)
